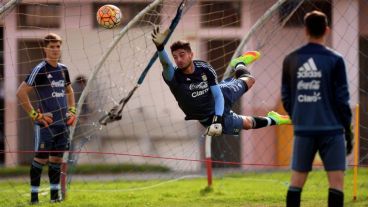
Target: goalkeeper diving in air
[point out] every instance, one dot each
(196, 89)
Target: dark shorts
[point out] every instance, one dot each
(52, 138)
(232, 89)
(331, 150)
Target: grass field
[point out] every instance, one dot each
(250, 189)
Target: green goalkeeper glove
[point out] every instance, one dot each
(71, 116)
(43, 119)
(159, 38)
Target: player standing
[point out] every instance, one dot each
(54, 113)
(315, 95)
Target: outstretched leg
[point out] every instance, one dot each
(241, 81)
(241, 64)
(272, 118)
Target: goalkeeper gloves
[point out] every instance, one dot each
(349, 138)
(71, 117)
(159, 38)
(215, 129)
(43, 119)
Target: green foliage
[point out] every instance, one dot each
(114, 169)
(89, 169)
(14, 171)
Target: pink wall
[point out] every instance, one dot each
(258, 146)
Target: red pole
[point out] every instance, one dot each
(209, 171)
(208, 159)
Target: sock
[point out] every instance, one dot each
(35, 175)
(241, 71)
(335, 198)
(259, 122)
(34, 197)
(54, 176)
(293, 197)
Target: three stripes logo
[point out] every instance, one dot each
(309, 70)
(308, 84)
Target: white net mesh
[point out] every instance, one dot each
(152, 141)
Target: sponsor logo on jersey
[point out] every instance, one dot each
(199, 88)
(308, 85)
(58, 94)
(199, 93)
(309, 70)
(316, 96)
(59, 83)
(309, 82)
(204, 77)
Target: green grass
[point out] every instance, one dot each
(250, 189)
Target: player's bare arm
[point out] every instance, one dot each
(70, 96)
(36, 115)
(72, 111)
(22, 94)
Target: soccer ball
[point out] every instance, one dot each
(109, 16)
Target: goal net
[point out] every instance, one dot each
(152, 143)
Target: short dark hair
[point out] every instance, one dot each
(181, 44)
(316, 23)
(51, 37)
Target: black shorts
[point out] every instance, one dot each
(52, 138)
(232, 89)
(331, 150)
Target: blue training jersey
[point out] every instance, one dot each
(49, 84)
(192, 91)
(315, 90)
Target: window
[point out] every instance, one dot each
(130, 10)
(34, 16)
(220, 52)
(225, 148)
(296, 20)
(221, 14)
(29, 54)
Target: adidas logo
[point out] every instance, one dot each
(49, 76)
(309, 70)
(188, 79)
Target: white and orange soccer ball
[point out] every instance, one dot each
(109, 16)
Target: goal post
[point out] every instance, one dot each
(152, 147)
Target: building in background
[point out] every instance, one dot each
(214, 33)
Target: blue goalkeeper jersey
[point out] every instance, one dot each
(315, 91)
(49, 84)
(192, 91)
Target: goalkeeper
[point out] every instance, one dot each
(56, 111)
(195, 87)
